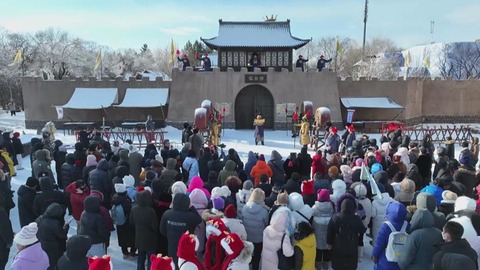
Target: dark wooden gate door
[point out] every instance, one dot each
(250, 101)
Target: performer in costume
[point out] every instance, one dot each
(259, 124)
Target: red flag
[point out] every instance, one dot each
(177, 52)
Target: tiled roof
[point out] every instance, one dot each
(255, 34)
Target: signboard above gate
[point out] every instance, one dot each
(255, 78)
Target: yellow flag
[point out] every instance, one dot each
(426, 61)
(339, 47)
(407, 59)
(172, 52)
(98, 61)
(18, 58)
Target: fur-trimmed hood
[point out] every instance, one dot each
(245, 255)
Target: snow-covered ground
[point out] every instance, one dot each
(241, 140)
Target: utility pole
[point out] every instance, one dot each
(365, 27)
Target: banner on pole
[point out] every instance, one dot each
(59, 110)
(350, 113)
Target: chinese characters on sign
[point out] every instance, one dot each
(250, 78)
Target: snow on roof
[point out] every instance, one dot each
(144, 98)
(153, 75)
(92, 98)
(254, 34)
(370, 102)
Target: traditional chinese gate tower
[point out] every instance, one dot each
(242, 90)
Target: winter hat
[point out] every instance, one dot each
(216, 192)
(218, 204)
(128, 180)
(247, 185)
(360, 189)
(216, 227)
(27, 235)
(16, 134)
(161, 263)
(257, 196)
(464, 160)
(323, 195)
(464, 203)
(179, 187)
(32, 182)
(407, 186)
(225, 191)
(376, 167)
(333, 170)
(187, 247)
(339, 185)
(347, 173)
(307, 187)
(230, 211)
(232, 244)
(262, 157)
(99, 263)
(351, 128)
(282, 199)
(449, 196)
(150, 175)
(120, 188)
(91, 160)
(334, 130)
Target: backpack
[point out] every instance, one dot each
(118, 215)
(396, 242)
(346, 240)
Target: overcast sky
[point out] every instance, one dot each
(131, 23)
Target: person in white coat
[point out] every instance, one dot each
(238, 253)
(300, 210)
(234, 224)
(379, 212)
(281, 224)
(361, 195)
(242, 196)
(339, 188)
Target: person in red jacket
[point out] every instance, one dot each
(318, 164)
(77, 191)
(260, 168)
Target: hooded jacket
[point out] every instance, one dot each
(427, 201)
(178, 220)
(169, 172)
(322, 213)
(339, 188)
(272, 238)
(252, 160)
(125, 232)
(422, 243)
(51, 234)
(143, 218)
(361, 195)
(458, 247)
(26, 197)
(255, 219)
(197, 183)
(242, 262)
(99, 180)
(190, 164)
(305, 250)
(379, 210)
(229, 170)
(276, 164)
(318, 165)
(305, 163)
(76, 255)
(300, 211)
(76, 199)
(92, 222)
(203, 164)
(42, 164)
(396, 213)
(242, 197)
(199, 200)
(68, 171)
(135, 163)
(260, 168)
(46, 197)
(467, 178)
(407, 188)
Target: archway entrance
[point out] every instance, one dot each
(250, 101)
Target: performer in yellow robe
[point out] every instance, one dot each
(305, 132)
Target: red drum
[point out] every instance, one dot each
(322, 115)
(207, 104)
(201, 119)
(308, 109)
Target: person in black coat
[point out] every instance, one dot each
(233, 155)
(291, 165)
(8, 145)
(125, 232)
(35, 144)
(301, 62)
(176, 221)
(6, 234)
(454, 244)
(143, 219)
(185, 61)
(47, 196)
(52, 233)
(203, 163)
(293, 184)
(305, 163)
(6, 192)
(99, 181)
(321, 62)
(26, 196)
(18, 149)
(68, 173)
(215, 164)
(80, 158)
(93, 224)
(424, 164)
(76, 256)
(112, 166)
(59, 154)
